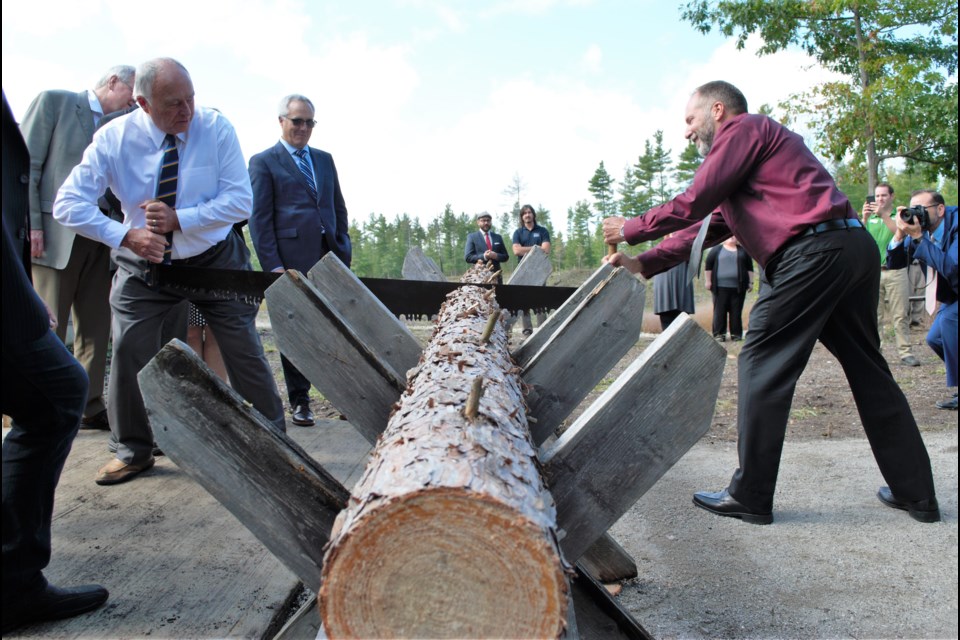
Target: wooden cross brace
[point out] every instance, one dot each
(596, 470)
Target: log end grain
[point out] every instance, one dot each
(443, 563)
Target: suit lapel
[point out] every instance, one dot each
(317, 173)
(85, 114)
(287, 162)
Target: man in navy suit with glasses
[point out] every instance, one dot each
(298, 215)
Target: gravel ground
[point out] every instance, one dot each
(835, 563)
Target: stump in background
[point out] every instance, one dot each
(452, 508)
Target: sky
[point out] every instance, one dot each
(422, 103)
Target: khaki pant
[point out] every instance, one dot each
(895, 306)
(83, 286)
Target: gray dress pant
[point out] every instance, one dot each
(139, 311)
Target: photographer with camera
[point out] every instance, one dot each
(894, 281)
(913, 240)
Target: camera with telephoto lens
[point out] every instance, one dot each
(916, 215)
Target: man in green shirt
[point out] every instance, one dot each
(894, 283)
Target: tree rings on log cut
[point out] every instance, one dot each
(450, 533)
(441, 564)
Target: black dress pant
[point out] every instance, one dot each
(728, 302)
(44, 392)
(822, 287)
(298, 387)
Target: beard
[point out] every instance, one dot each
(705, 138)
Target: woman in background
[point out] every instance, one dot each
(729, 275)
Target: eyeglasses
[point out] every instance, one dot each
(299, 122)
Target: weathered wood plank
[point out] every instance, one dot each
(607, 561)
(322, 344)
(580, 352)
(535, 342)
(599, 615)
(418, 266)
(633, 433)
(533, 270)
(375, 326)
(305, 623)
(259, 474)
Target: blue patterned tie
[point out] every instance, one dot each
(167, 185)
(305, 170)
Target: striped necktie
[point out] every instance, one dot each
(307, 173)
(167, 185)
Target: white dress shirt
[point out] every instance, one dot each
(94, 106)
(213, 188)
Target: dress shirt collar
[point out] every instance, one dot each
(95, 106)
(292, 150)
(155, 134)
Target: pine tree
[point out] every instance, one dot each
(601, 186)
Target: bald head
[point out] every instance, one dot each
(164, 91)
(711, 105)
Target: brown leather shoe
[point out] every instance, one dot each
(117, 471)
(98, 421)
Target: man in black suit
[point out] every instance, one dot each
(44, 392)
(298, 216)
(485, 245)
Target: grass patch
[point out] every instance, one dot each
(802, 413)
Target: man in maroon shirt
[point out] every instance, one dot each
(821, 271)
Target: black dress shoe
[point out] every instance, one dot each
(921, 510)
(53, 603)
(723, 504)
(302, 416)
(98, 421)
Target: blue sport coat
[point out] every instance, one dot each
(288, 227)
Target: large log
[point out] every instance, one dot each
(450, 532)
(379, 332)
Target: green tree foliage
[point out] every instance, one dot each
(601, 187)
(631, 204)
(661, 164)
(580, 251)
(690, 160)
(898, 59)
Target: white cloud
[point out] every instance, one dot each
(592, 58)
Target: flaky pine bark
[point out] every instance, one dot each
(450, 531)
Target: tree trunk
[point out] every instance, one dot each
(450, 531)
(873, 163)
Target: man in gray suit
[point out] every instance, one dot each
(70, 271)
(298, 216)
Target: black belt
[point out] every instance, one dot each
(830, 225)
